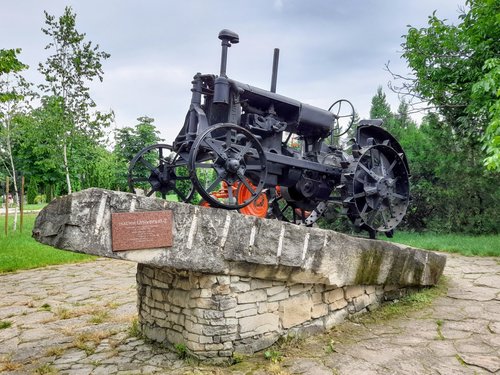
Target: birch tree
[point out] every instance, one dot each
(14, 100)
(74, 63)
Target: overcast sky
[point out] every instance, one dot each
(329, 49)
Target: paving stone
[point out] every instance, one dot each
(470, 316)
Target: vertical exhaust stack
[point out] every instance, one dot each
(228, 37)
(221, 86)
(274, 77)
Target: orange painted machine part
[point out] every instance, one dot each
(258, 207)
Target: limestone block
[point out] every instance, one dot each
(252, 296)
(334, 295)
(340, 304)
(361, 302)
(354, 291)
(239, 287)
(369, 289)
(296, 310)
(319, 310)
(335, 318)
(259, 324)
(259, 284)
(251, 247)
(279, 296)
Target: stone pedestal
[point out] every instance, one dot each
(218, 315)
(234, 283)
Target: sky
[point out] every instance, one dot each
(329, 50)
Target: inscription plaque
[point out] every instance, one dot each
(141, 230)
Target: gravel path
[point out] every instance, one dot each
(76, 319)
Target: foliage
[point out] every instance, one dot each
(41, 157)
(380, 108)
(13, 91)
(129, 141)
(182, 351)
(32, 190)
(5, 324)
(456, 69)
(273, 356)
(73, 64)
(486, 100)
(450, 190)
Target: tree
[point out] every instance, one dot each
(41, 157)
(449, 188)
(74, 63)
(13, 92)
(380, 109)
(129, 141)
(456, 70)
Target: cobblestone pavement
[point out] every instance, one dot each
(77, 319)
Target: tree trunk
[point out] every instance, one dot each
(66, 168)
(12, 172)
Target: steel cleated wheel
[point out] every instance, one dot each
(160, 172)
(377, 190)
(227, 155)
(299, 213)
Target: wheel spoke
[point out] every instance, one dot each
(212, 145)
(214, 184)
(229, 137)
(383, 170)
(244, 150)
(396, 195)
(391, 167)
(139, 179)
(370, 190)
(245, 182)
(149, 166)
(179, 193)
(230, 194)
(359, 195)
(370, 173)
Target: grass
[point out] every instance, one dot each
(452, 243)
(26, 207)
(20, 251)
(5, 324)
(407, 304)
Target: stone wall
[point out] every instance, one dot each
(216, 316)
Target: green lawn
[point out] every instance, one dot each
(452, 243)
(20, 251)
(26, 207)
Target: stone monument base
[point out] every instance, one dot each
(218, 315)
(226, 282)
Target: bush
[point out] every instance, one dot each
(40, 199)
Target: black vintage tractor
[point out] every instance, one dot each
(264, 154)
